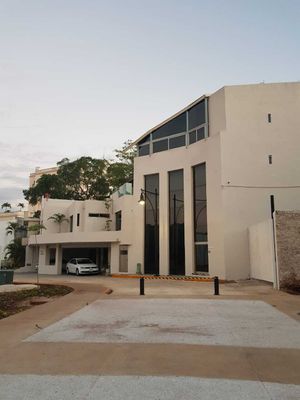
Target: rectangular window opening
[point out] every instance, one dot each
(270, 159)
(200, 218)
(99, 215)
(71, 223)
(78, 219)
(160, 145)
(151, 249)
(118, 216)
(177, 141)
(176, 223)
(269, 118)
(52, 256)
(272, 205)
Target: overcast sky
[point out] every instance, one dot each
(79, 77)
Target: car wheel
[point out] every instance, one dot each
(77, 271)
(67, 271)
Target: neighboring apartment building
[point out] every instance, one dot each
(22, 217)
(204, 176)
(34, 177)
(99, 230)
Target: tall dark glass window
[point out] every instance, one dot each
(151, 260)
(197, 115)
(118, 216)
(176, 125)
(176, 223)
(200, 218)
(184, 129)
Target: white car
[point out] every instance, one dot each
(80, 266)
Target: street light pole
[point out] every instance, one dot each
(156, 230)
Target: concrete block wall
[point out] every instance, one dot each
(287, 224)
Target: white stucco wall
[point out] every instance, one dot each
(72, 208)
(185, 158)
(247, 178)
(261, 251)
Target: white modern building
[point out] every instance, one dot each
(5, 219)
(204, 176)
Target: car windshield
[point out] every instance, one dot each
(84, 261)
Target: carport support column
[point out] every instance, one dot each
(114, 258)
(58, 259)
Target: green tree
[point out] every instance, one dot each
(37, 214)
(58, 218)
(47, 184)
(36, 229)
(16, 229)
(127, 153)
(6, 207)
(120, 170)
(11, 228)
(81, 179)
(85, 178)
(15, 253)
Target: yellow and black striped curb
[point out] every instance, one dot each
(167, 277)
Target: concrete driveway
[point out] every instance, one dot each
(177, 342)
(183, 321)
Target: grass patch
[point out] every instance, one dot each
(13, 302)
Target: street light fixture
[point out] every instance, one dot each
(142, 198)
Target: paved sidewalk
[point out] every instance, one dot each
(241, 323)
(140, 388)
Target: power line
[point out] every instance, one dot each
(262, 187)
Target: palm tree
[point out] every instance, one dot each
(36, 230)
(21, 206)
(15, 253)
(14, 228)
(6, 207)
(59, 218)
(11, 228)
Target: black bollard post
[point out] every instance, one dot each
(142, 286)
(216, 285)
